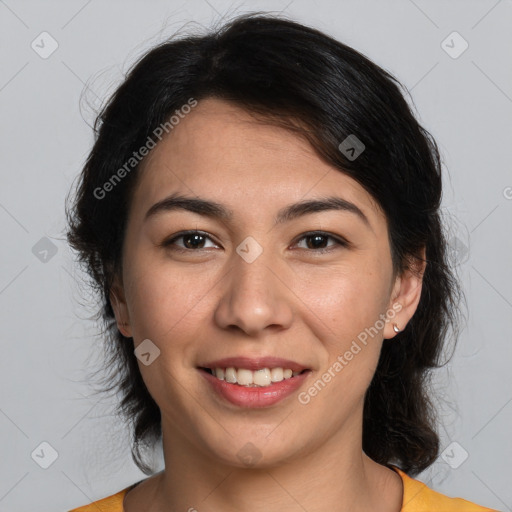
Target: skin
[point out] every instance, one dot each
(291, 302)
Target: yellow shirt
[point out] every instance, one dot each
(417, 497)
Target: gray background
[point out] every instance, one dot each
(48, 341)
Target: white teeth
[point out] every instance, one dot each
(245, 377)
(276, 375)
(230, 375)
(261, 377)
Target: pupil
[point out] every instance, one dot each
(318, 241)
(317, 238)
(190, 237)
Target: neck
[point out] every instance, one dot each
(336, 475)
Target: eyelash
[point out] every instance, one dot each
(339, 241)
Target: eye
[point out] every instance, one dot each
(317, 241)
(192, 240)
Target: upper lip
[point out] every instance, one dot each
(257, 363)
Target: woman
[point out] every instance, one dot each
(260, 213)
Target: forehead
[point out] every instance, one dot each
(220, 151)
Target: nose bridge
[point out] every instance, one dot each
(253, 298)
(251, 272)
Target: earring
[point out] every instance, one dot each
(396, 328)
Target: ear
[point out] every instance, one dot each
(406, 295)
(118, 303)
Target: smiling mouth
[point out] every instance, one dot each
(248, 378)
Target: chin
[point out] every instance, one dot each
(257, 452)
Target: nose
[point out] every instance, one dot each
(255, 297)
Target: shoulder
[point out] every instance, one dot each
(418, 497)
(113, 503)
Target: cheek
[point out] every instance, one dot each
(164, 299)
(346, 300)
(344, 309)
(166, 305)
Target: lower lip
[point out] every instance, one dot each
(256, 397)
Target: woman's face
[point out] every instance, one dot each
(255, 284)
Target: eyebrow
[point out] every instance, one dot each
(218, 211)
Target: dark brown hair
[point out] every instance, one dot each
(300, 78)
